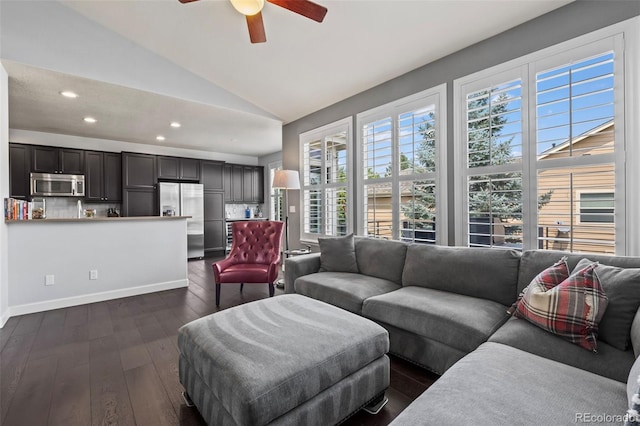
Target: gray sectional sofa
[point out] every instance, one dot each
(445, 309)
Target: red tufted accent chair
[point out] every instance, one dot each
(254, 256)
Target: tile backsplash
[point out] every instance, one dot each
(67, 207)
(236, 211)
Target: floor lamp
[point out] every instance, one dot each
(286, 179)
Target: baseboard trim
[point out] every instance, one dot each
(48, 305)
(4, 318)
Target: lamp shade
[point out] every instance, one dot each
(286, 179)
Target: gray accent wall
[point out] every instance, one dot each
(573, 20)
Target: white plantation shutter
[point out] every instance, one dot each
(541, 160)
(493, 172)
(325, 181)
(400, 152)
(575, 153)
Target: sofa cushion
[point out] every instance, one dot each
(622, 287)
(462, 322)
(337, 254)
(608, 361)
(534, 261)
(479, 272)
(343, 289)
(500, 385)
(571, 309)
(381, 258)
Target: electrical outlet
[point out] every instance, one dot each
(93, 274)
(49, 279)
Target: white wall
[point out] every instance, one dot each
(4, 192)
(68, 141)
(132, 256)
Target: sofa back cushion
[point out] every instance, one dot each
(490, 274)
(381, 258)
(535, 261)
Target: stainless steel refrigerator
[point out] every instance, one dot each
(185, 199)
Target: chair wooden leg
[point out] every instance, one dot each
(241, 286)
(271, 290)
(217, 294)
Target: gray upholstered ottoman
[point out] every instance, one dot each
(287, 360)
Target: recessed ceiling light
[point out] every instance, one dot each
(69, 94)
(90, 120)
(160, 138)
(175, 124)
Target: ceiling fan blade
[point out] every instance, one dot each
(186, 1)
(303, 7)
(256, 28)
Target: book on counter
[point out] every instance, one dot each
(15, 209)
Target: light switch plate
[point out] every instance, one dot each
(49, 279)
(292, 209)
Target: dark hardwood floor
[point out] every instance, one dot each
(116, 362)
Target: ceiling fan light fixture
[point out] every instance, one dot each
(248, 7)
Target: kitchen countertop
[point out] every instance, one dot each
(97, 219)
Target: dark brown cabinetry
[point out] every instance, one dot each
(243, 184)
(214, 231)
(47, 159)
(212, 175)
(253, 189)
(174, 168)
(139, 196)
(103, 174)
(212, 179)
(19, 168)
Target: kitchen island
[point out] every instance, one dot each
(55, 263)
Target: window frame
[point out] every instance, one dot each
(273, 192)
(394, 110)
(579, 202)
(625, 39)
(343, 125)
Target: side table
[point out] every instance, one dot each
(287, 254)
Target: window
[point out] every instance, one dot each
(325, 180)
(540, 157)
(277, 194)
(400, 152)
(597, 207)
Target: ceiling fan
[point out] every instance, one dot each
(252, 11)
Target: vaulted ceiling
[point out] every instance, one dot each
(250, 89)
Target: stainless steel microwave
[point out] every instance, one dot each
(57, 185)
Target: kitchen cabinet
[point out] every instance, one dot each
(212, 175)
(174, 168)
(19, 169)
(233, 183)
(139, 170)
(139, 202)
(48, 159)
(139, 197)
(214, 222)
(243, 184)
(103, 176)
(253, 179)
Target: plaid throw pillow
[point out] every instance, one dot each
(571, 309)
(549, 278)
